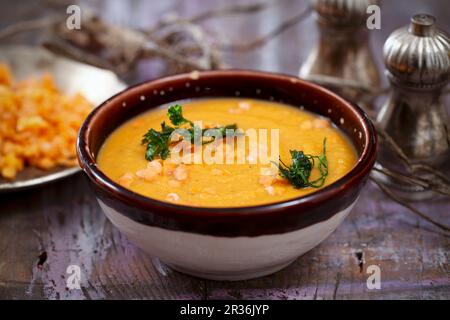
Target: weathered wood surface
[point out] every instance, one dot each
(64, 221)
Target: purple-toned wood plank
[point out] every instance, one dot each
(64, 221)
(412, 255)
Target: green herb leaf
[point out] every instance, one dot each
(175, 114)
(299, 172)
(218, 132)
(158, 142)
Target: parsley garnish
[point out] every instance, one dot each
(175, 114)
(219, 132)
(299, 172)
(158, 142)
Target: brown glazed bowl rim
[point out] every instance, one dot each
(359, 172)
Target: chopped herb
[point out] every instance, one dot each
(175, 114)
(218, 132)
(299, 172)
(158, 142)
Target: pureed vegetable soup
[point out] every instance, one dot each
(312, 151)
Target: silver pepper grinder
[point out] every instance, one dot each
(417, 59)
(343, 50)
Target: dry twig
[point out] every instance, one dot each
(423, 183)
(30, 25)
(397, 199)
(435, 179)
(285, 25)
(330, 81)
(216, 13)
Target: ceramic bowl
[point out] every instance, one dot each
(228, 243)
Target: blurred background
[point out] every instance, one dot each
(284, 53)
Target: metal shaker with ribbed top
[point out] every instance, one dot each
(343, 50)
(417, 59)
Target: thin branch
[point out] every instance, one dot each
(397, 199)
(420, 174)
(29, 25)
(392, 145)
(272, 34)
(77, 54)
(216, 13)
(231, 10)
(423, 183)
(174, 57)
(71, 52)
(426, 168)
(413, 168)
(326, 80)
(400, 177)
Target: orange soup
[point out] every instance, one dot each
(231, 183)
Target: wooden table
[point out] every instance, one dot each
(45, 230)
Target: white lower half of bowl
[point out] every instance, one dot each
(224, 258)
